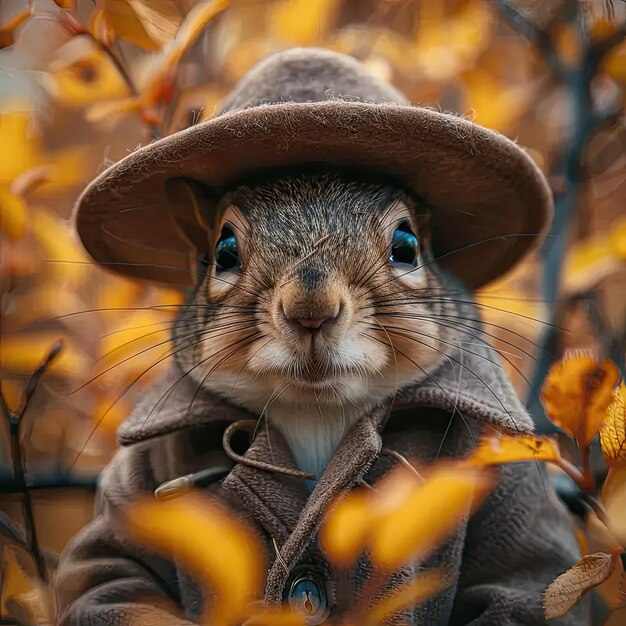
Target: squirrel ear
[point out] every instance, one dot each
(193, 221)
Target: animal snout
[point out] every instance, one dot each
(311, 320)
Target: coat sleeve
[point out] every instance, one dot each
(517, 543)
(104, 579)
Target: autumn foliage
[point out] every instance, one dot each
(82, 83)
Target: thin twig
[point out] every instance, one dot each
(19, 467)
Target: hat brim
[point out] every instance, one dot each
(490, 202)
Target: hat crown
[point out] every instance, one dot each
(308, 75)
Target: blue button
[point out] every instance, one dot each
(307, 596)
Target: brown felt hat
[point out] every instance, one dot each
(489, 201)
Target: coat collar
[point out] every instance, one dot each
(471, 384)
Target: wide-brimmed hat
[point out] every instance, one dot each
(489, 201)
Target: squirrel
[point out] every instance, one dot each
(320, 299)
(329, 236)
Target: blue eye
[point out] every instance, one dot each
(226, 251)
(405, 245)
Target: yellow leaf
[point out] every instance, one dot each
(149, 24)
(496, 105)
(109, 413)
(566, 590)
(138, 341)
(406, 533)
(12, 215)
(20, 138)
(617, 240)
(61, 250)
(219, 550)
(613, 433)
(422, 587)
(9, 27)
(118, 293)
(588, 263)
(495, 450)
(301, 22)
(345, 529)
(82, 74)
(576, 394)
(614, 501)
(12, 393)
(100, 111)
(24, 352)
(447, 45)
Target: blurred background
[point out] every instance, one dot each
(83, 83)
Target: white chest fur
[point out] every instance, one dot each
(313, 433)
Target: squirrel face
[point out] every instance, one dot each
(318, 285)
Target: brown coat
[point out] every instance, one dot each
(503, 557)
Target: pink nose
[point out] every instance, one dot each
(312, 324)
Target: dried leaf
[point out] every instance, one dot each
(613, 433)
(404, 533)
(495, 450)
(421, 588)
(614, 500)
(159, 85)
(10, 532)
(160, 18)
(345, 529)
(149, 24)
(566, 590)
(218, 549)
(576, 394)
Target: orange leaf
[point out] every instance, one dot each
(576, 394)
(345, 528)
(613, 433)
(219, 550)
(566, 590)
(404, 532)
(495, 450)
(413, 593)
